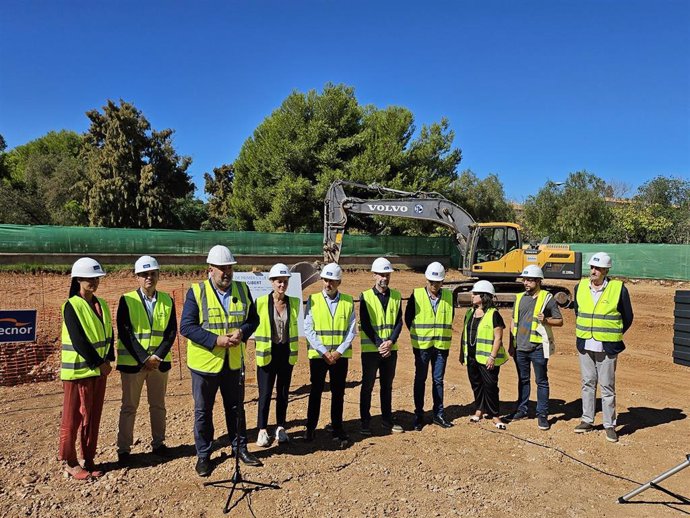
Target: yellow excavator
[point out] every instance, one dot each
(492, 251)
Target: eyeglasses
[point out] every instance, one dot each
(152, 273)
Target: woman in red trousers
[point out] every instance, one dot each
(87, 350)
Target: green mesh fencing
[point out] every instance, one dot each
(90, 240)
(641, 261)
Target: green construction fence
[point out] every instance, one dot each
(37, 239)
(641, 261)
(629, 260)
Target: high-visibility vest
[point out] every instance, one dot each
(99, 335)
(485, 338)
(601, 321)
(382, 322)
(431, 329)
(331, 329)
(262, 335)
(534, 336)
(214, 319)
(149, 334)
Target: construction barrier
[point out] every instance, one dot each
(641, 261)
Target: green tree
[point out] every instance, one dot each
(190, 213)
(658, 213)
(485, 199)
(573, 213)
(45, 177)
(134, 173)
(283, 171)
(218, 186)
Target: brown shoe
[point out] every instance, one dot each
(77, 472)
(91, 468)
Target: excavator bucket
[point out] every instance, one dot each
(308, 271)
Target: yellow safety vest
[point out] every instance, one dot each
(262, 335)
(98, 334)
(485, 338)
(331, 330)
(214, 319)
(149, 334)
(534, 336)
(431, 329)
(383, 323)
(601, 321)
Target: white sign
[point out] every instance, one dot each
(259, 284)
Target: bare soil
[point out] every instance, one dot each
(468, 470)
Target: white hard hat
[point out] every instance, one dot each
(279, 270)
(332, 271)
(483, 287)
(600, 259)
(435, 272)
(382, 265)
(146, 263)
(87, 268)
(220, 255)
(532, 271)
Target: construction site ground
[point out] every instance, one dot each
(468, 470)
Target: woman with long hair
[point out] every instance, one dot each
(481, 349)
(87, 350)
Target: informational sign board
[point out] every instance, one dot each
(17, 325)
(259, 284)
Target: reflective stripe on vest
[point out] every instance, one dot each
(534, 337)
(149, 335)
(601, 321)
(262, 335)
(383, 323)
(331, 329)
(214, 319)
(431, 329)
(97, 333)
(485, 338)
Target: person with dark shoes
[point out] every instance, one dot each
(481, 350)
(146, 330)
(380, 314)
(217, 318)
(330, 327)
(429, 317)
(603, 314)
(535, 312)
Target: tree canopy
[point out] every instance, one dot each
(134, 174)
(283, 171)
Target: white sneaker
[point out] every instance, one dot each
(263, 440)
(281, 435)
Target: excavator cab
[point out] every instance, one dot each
(494, 241)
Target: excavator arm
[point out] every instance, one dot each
(420, 205)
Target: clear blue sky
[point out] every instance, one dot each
(533, 89)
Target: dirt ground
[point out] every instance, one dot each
(468, 470)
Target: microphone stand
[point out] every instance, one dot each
(238, 481)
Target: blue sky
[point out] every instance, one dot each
(533, 89)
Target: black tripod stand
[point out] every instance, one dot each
(238, 481)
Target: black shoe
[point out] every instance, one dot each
(204, 467)
(418, 423)
(441, 421)
(340, 437)
(162, 451)
(310, 435)
(543, 422)
(516, 416)
(248, 458)
(124, 459)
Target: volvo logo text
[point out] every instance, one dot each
(387, 208)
